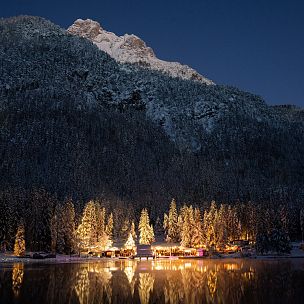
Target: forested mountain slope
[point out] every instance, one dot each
(77, 123)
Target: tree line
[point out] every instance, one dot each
(40, 222)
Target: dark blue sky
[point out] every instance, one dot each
(256, 45)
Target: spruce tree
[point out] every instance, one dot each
(100, 219)
(279, 240)
(19, 247)
(53, 229)
(158, 229)
(87, 230)
(197, 236)
(132, 231)
(125, 229)
(209, 225)
(180, 220)
(171, 224)
(109, 227)
(233, 224)
(187, 228)
(69, 227)
(130, 243)
(146, 233)
(60, 226)
(221, 230)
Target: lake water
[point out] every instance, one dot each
(163, 281)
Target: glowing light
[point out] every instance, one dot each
(17, 278)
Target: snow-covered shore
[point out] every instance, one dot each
(8, 258)
(64, 259)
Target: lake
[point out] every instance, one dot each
(160, 281)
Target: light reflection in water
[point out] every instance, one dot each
(145, 287)
(158, 281)
(82, 286)
(17, 278)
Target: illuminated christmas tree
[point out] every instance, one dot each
(146, 232)
(187, 228)
(197, 235)
(130, 243)
(171, 224)
(87, 230)
(132, 231)
(19, 247)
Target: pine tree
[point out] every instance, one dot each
(233, 224)
(146, 232)
(130, 243)
(60, 229)
(19, 247)
(100, 220)
(252, 221)
(125, 229)
(53, 229)
(132, 231)
(197, 235)
(104, 232)
(62, 226)
(151, 233)
(158, 229)
(119, 217)
(87, 230)
(38, 215)
(279, 240)
(209, 225)
(221, 230)
(180, 221)
(105, 242)
(109, 227)
(171, 224)
(262, 244)
(187, 228)
(69, 227)
(7, 222)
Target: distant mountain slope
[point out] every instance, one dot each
(131, 49)
(76, 122)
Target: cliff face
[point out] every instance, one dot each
(131, 49)
(77, 122)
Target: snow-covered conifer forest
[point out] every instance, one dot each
(77, 126)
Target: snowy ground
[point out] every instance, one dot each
(9, 258)
(296, 252)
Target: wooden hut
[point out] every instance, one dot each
(144, 251)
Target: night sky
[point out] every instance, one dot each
(255, 45)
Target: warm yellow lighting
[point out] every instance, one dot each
(17, 278)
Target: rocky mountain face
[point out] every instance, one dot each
(131, 49)
(78, 123)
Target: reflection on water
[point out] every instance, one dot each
(145, 287)
(160, 281)
(90, 278)
(17, 278)
(82, 286)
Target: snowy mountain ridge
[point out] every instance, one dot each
(131, 49)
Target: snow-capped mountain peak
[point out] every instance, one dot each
(131, 49)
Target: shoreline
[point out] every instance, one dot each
(71, 260)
